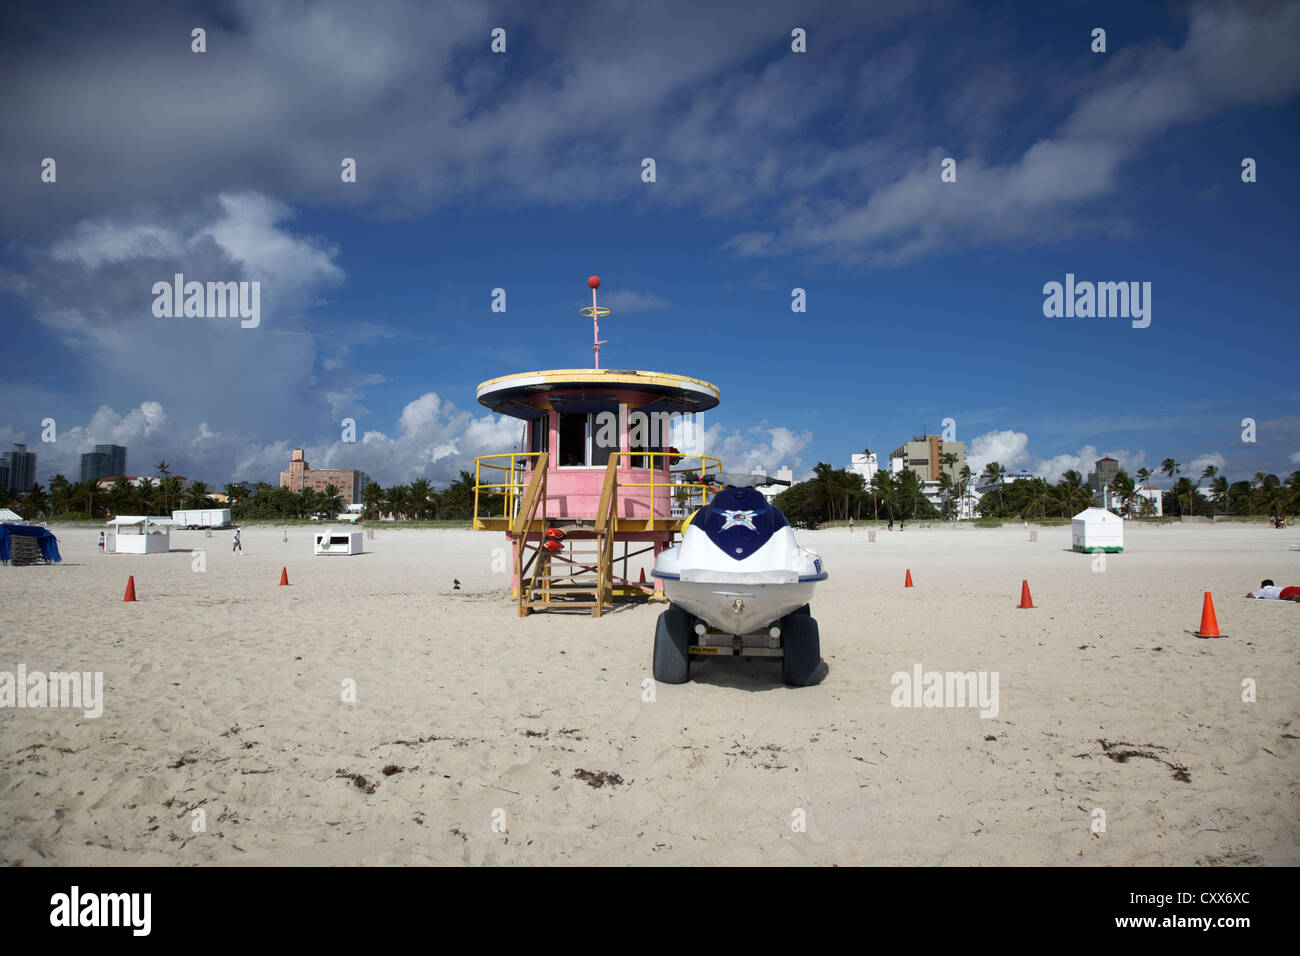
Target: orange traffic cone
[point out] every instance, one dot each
(643, 575)
(1025, 600)
(908, 582)
(130, 589)
(284, 577)
(1209, 623)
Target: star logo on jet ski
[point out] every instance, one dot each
(743, 519)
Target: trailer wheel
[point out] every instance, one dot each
(801, 641)
(672, 658)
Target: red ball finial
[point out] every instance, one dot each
(594, 282)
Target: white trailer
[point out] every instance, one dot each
(201, 518)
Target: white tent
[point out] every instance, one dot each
(1096, 529)
(141, 534)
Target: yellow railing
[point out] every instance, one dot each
(511, 471)
(511, 489)
(690, 494)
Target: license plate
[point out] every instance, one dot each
(702, 650)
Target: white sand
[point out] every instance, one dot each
(241, 680)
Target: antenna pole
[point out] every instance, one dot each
(595, 312)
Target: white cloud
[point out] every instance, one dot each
(433, 440)
(94, 243)
(758, 447)
(1011, 450)
(1197, 465)
(626, 300)
(1008, 448)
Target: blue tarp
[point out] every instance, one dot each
(49, 544)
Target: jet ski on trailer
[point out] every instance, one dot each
(738, 584)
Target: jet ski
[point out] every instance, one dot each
(738, 584)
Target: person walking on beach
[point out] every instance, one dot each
(101, 542)
(850, 524)
(891, 522)
(236, 546)
(901, 524)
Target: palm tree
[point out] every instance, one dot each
(60, 494)
(884, 490)
(995, 473)
(1170, 467)
(146, 495)
(1219, 487)
(1041, 501)
(945, 488)
(171, 490)
(333, 501)
(163, 471)
(909, 488)
(966, 475)
(34, 503)
(196, 496)
(420, 495)
(373, 496)
(1077, 494)
(85, 492)
(1123, 486)
(397, 499)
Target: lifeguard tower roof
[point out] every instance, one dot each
(521, 395)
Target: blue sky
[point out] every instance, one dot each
(775, 170)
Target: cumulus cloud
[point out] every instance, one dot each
(1198, 464)
(1011, 450)
(769, 448)
(1008, 448)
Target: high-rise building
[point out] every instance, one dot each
(20, 468)
(1103, 473)
(349, 482)
(924, 455)
(106, 461)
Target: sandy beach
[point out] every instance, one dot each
(484, 738)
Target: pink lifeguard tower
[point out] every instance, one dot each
(595, 475)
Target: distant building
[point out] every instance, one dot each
(864, 465)
(134, 481)
(104, 461)
(19, 467)
(984, 484)
(771, 491)
(349, 482)
(924, 456)
(1153, 495)
(1103, 474)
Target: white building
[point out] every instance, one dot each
(1155, 496)
(864, 465)
(771, 491)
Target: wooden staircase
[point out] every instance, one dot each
(580, 573)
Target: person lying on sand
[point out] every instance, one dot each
(1268, 591)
